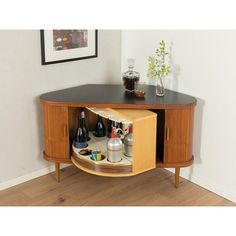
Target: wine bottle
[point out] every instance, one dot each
(100, 130)
(81, 135)
(83, 125)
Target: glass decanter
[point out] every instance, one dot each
(130, 78)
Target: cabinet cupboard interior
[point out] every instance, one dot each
(162, 128)
(144, 143)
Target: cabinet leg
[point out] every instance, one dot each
(177, 173)
(57, 171)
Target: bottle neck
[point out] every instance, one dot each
(130, 68)
(81, 122)
(114, 124)
(113, 133)
(131, 129)
(82, 115)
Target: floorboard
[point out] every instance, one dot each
(77, 188)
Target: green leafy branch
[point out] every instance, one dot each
(157, 64)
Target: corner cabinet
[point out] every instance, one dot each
(162, 128)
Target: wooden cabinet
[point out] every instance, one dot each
(162, 126)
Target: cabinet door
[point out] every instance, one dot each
(178, 135)
(144, 142)
(144, 138)
(56, 137)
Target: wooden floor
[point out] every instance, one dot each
(77, 188)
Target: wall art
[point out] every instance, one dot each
(67, 45)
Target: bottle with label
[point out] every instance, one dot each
(100, 130)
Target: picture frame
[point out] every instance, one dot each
(58, 46)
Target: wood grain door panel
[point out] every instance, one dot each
(178, 135)
(144, 144)
(175, 153)
(56, 134)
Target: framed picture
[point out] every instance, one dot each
(67, 45)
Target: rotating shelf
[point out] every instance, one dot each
(144, 140)
(102, 167)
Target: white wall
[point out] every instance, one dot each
(205, 66)
(23, 79)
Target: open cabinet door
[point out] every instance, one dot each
(144, 138)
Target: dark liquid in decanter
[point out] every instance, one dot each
(130, 78)
(130, 83)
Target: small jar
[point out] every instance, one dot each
(130, 78)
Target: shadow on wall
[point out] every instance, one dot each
(173, 80)
(172, 83)
(197, 134)
(39, 126)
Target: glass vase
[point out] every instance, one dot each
(160, 90)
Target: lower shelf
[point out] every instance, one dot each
(103, 167)
(99, 170)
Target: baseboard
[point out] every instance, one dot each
(219, 190)
(30, 176)
(207, 184)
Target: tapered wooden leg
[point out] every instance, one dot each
(57, 171)
(177, 173)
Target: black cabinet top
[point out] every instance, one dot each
(115, 96)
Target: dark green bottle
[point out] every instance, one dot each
(100, 130)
